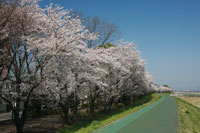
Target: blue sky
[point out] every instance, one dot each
(167, 32)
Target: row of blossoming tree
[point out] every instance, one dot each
(44, 54)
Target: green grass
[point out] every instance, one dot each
(103, 119)
(189, 117)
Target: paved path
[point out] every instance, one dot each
(5, 116)
(159, 117)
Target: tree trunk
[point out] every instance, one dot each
(64, 113)
(75, 105)
(132, 99)
(82, 104)
(92, 106)
(19, 122)
(110, 103)
(105, 107)
(20, 126)
(66, 116)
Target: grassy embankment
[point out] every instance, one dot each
(189, 117)
(102, 119)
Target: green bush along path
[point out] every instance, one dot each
(159, 117)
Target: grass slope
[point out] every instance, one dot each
(189, 117)
(103, 119)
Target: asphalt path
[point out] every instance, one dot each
(159, 117)
(5, 116)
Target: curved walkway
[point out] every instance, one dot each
(159, 117)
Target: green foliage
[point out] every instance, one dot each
(120, 105)
(108, 45)
(166, 86)
(94, 123)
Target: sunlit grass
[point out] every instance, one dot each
(189, 117)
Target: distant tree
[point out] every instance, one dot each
(108, 45)
(166, 86)
(107, 31)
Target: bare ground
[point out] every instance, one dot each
(49, 124)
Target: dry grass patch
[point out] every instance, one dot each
(193, 100)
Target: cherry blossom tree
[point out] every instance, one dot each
(62, 40)
(125, 75)
(22, 69)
